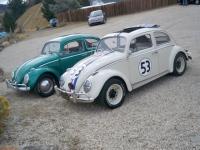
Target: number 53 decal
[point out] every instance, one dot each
(145, 67)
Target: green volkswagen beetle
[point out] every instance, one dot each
(43, 72)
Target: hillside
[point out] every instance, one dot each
(32, 19)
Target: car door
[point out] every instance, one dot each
(73, 51)
(143, 60)
(164, 47)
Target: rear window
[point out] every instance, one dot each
(96, 13)
(161, 38)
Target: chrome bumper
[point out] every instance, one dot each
(19, 87)
(95, 21)
(189, 55)
(72, 96)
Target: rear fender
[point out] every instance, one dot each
(173, 54)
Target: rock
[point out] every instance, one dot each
(5, 44)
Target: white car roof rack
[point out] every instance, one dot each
(134, 28)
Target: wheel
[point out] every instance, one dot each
(104, 20)
(180, 64)
(113, 93)
(197, 2)
(45, 85)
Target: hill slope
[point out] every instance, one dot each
(32, 19)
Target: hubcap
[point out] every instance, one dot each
(46, 85)
(114, 94)
(180, 64)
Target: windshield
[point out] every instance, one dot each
(96, 13)
(51, 47)
(116, 43)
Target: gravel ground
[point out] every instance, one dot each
(164, 114)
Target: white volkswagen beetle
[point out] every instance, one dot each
(124, 60)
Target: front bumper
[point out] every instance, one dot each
(19, 87)
(189, 55)
(74, 97)
(93, 21)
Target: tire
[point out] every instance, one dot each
(180, 64)
(109, 96)
(104, 20)
(48, 81)
(89, 24)
(197, 2)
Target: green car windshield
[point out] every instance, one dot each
(115, 43)
(51, 47)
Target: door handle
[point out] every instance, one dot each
(155, 52)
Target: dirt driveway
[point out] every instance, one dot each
(164, 114)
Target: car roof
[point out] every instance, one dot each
(136, 30)
(70, 37)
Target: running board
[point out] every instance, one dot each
(141, 83)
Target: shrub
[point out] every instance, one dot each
(4, 111)
(84, 2)
(9, 22)
(47, 13)
(15, 9)
(63, 5)
(51, 7)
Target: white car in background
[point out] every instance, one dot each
(97, 16)
(124, 60)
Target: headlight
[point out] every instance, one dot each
(87, 86)
(12, 74)
(26, 79)
(62, 81)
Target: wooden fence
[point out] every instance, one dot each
(115, 9)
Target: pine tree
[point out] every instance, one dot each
(47, 13)
(8, 22)
(84, 2)
(17, 8)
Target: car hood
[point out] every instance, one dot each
(88, 66)
(33, 63)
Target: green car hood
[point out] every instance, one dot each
(33, 63)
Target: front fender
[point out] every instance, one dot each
(99, 79)
(174, 51)
(36, 73)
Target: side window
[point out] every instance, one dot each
(161, 38)
(73, 47)
(91, 43)
(141, 43)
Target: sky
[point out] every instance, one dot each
(3, 1)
